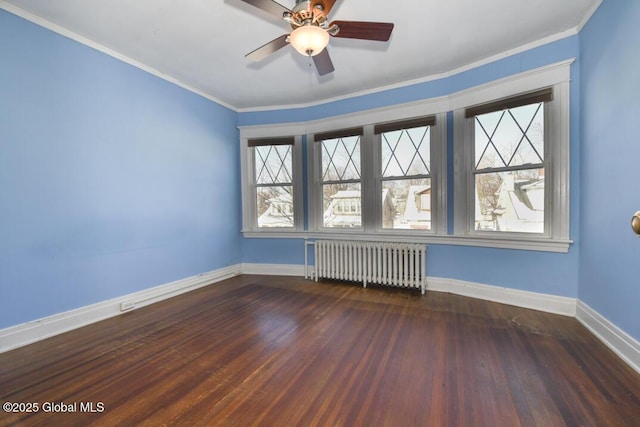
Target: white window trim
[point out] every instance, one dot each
(249, 188)
(557, 174)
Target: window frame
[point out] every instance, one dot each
(509, 104)
(316, 193)
(556, 161)
(249, 185)
(437, 171)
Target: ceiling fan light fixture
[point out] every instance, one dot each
(309, 40)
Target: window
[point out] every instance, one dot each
(405, 174)
(509, 164)
(513, 166)
(271, 198)
(379, 178)
(274, 183)
(341, 178)
(382, 174)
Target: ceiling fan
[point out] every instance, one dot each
(311, 30)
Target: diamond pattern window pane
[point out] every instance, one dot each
(510, 138)
(341, 159)
(406, 152)
(273, 164)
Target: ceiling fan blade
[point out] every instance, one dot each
(267, 49)
(378, 31)
(269, 6)
(323, 62)
(326, 5)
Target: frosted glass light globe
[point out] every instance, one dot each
(309, 40)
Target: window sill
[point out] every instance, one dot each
(525, 243)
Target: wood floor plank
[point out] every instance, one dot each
(277, 351)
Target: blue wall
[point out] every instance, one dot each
(111, 180)
(550, 273)
(610, 252)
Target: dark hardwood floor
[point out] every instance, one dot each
(277, 351)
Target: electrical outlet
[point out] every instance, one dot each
(127, 305)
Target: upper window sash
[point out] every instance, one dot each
(417, 158)
(511, 139)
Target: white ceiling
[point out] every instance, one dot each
(200, 44)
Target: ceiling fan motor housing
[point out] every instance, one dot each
(305, 13)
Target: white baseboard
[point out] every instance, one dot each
(27, 333)
(621, 343)
(533, 300)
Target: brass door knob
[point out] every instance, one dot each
(635, 223)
